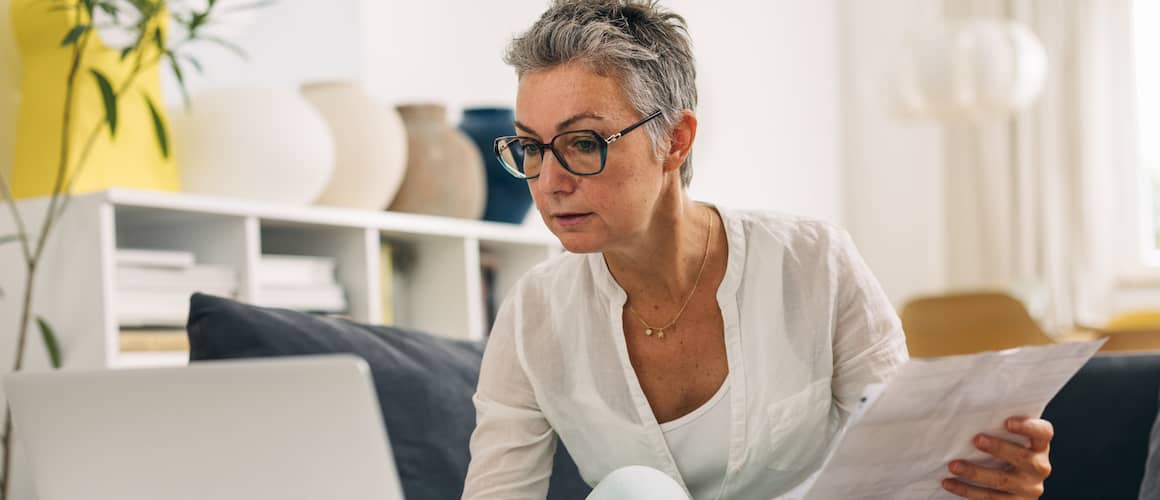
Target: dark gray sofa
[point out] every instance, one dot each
(1102, 416)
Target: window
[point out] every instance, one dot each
(1147, 17)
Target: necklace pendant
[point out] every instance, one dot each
(648, 332)
(660, 334)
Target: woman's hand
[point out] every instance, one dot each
(1027, 465)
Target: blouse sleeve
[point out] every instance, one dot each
(869, 345)
(513, 445)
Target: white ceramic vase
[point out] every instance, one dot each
(370, 146)
(265, 144)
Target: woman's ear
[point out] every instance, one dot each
(681, 140)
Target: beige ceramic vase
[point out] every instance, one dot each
(444, 169)
(370, 146)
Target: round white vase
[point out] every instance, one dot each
(265, 144)
(370, 146)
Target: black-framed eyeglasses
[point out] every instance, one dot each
(581, 152)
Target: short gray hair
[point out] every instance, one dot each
(645, 46)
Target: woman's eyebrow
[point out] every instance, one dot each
(577, 117)
(527, 129)
(562, 125)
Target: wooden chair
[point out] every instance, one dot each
(966, 323)
(1136, 331)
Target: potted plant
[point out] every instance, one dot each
(144, 23)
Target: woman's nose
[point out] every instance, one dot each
(554, 178)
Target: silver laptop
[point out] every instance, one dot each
(304, 428)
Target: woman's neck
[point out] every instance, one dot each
(663, 262)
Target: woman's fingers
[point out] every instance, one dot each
(1039, 431)
(1034, 464)
(1028, 465)
(1000, 480)
(974, 492)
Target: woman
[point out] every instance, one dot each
(724, 349)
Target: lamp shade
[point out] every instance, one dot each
(972, 69)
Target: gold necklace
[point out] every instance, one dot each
(649, 330)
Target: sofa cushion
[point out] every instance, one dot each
(1150, 487)
(1102, 420)
(424, 384)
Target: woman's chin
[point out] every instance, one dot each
(579, 242)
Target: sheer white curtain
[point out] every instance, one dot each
(1046, 199)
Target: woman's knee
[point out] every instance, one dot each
(637, 482)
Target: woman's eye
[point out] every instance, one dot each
(585, 146)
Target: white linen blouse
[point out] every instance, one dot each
(806, 325)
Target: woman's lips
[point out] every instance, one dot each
(572, 219)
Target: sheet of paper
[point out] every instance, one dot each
(898, 445)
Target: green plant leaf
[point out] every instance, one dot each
(50, 342)
(195, 63)
(158, 126)
(228, 45)
(112, 11)
(88, 7)
(198, 20)
(110, 99)
(180, 76)
(74, 34)
(126, 51)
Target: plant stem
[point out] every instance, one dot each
(21, 229)
(91, 140)
(38, 250)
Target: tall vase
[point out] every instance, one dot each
(9, 89)
(266, 144)
(444, 170)
(508, 198)
(133, 158)
(370, 146)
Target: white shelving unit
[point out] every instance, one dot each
(438, 290)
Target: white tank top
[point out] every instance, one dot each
(699, 443)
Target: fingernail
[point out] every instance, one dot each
(983, 441)
(1014, 424)
(956, 467)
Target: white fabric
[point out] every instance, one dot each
(1048, 197)
(806, 328)
(699, 443)
(637, 482)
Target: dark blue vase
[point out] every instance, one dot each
(508, 198)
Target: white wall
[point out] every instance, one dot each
(769, 88)
(287, 43)
(770, 136)
(893, 166)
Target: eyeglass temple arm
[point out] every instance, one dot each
(614, 137)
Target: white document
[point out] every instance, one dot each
(898, 445)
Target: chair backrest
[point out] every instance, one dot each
(966, 323)
(1135, 320)
(1132, 341)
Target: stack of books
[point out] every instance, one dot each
(153, 286)
(303, 283)
(153, 289)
